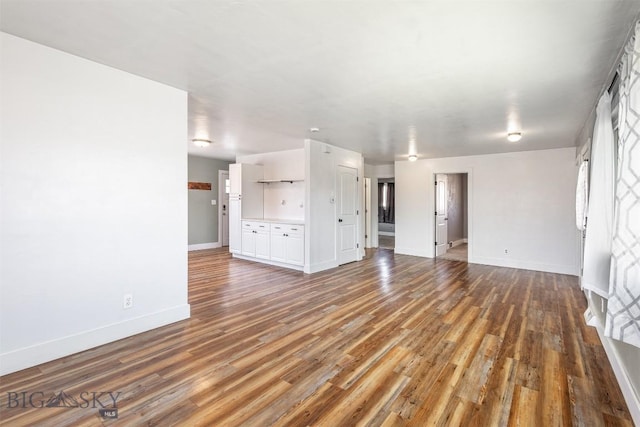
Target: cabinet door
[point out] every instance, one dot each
(278, 245)
(235, 225)
(295, 249)
(262, 244)
(248, 242)
(235, 179)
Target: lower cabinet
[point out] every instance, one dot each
(295, 250)
(235, 226)
(262, 244)
(255, 239)
(287, 243)
(278, 242)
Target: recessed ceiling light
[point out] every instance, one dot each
(199, 142)
(413, 157)
(514, 136)
(314, 130)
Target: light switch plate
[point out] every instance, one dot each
(213, 202)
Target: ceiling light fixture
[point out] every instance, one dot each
(514, 136)
(413, 157)
(314, 130)
(199, 142)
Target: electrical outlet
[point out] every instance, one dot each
(128, 301)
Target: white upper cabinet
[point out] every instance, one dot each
(243, 182)
(235, 179)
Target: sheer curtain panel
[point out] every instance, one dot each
(623, 308)
(597, 243)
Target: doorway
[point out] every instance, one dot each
(223, 207)
(386, 213)
(452, 216)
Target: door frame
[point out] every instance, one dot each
(220, 199)
(368, 229)
(470, 236)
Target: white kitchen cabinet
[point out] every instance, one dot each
(287, 243)
(246, 200)
(295, 248)
(263, 247)
(235, 226)
(235, 179)
(248, 242)
(255, 239)
(278, 243)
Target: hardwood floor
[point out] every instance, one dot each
(392, 340)
(459, 253)
(386, 242)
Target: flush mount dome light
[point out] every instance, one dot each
(200, 142)
(514, 136)
(413, 157)
(314, 130)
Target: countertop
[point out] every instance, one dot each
(277, 220)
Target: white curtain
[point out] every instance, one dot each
(582, 195)
(597, 243)
(623, 308)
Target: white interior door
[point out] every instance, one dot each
(346, 209)
(223, 210)
(441, 214)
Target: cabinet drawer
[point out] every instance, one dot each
(255, 225)
(278, 228)
(295, 229)
(287, 229)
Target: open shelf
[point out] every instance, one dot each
(269, 181)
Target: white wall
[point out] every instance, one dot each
(520, 202)
(322, 161)
(282, 200)
(94, 204)
(379, 171)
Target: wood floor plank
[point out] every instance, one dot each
(524, 408)
(392, 340)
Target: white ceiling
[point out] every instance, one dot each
(441, 78)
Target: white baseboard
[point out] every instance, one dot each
(525, 265)
(630, 397)
(27, 357)
(201, 246)
(320, 266)
(412, 251)
(386, 233)
(268, 261)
